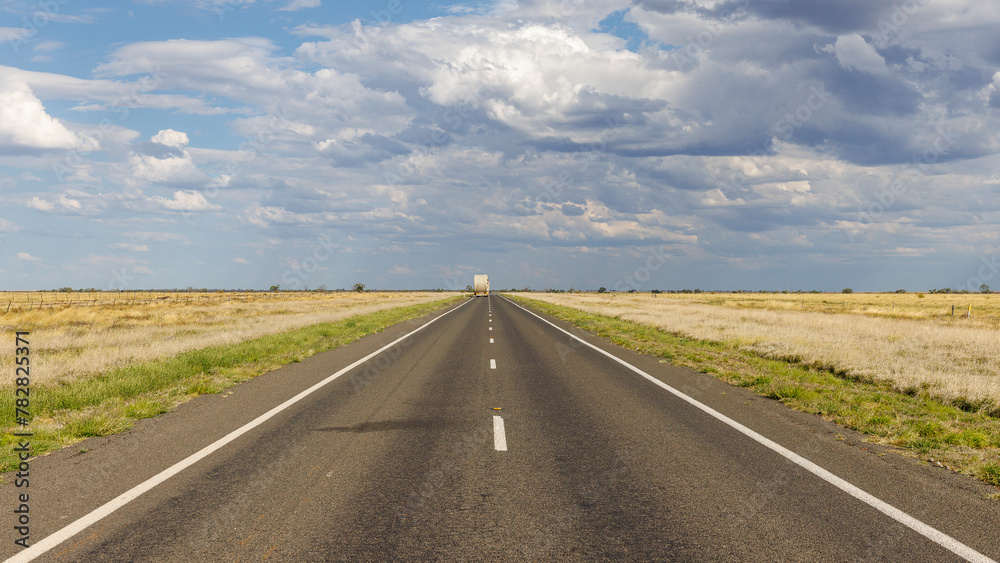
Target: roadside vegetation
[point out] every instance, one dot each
(956, 426)
(213, 348)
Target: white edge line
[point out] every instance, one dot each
(96, 515)
(499, 436)
(938, 537)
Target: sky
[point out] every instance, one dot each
(649, 144)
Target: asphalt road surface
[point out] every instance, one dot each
(490, 435)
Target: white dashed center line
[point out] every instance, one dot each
(493, 364)
(491, 341)
(499, 436)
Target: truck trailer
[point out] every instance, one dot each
(481, 284)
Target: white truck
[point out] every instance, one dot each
(481, 284)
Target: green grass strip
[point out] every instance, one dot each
(911, 420)
(111, 402)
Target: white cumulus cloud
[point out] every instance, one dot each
(171, 138)
(185, 200)
(24, 122)
(39, 204)
(854, 53)
(164, 170)
(27, 257)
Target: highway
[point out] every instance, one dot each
(491, 435)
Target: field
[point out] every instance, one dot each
(76, 335)
(909, 377)
(909, 341)
(943, 308)
(98, 365)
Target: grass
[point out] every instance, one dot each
(65, 412)
(77, 337)
(936, 307)
(916, 421)
(952, 359)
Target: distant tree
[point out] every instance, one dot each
(66, 289)
(847, 290)
(602, 289)
(274, 287)
(322, 287)
(900, 291)
(655, 291)
(469, 288)
(359, 287)
(984, 288)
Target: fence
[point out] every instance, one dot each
(33, 300)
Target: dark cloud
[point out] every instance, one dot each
(834, 16)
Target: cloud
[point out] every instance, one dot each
(241, 260)
(14, 33)
(27, 257)
(185, 201)
(130, 246)
(171, 138)
(854, 53)
(168, 170)
(400, 270)
(40, 204)
(164, 161)
(69, 204)
(296, 5)
(8, 226)
(25, 124)
(49, 46)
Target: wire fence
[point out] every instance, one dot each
(15, 301)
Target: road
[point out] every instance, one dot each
(489, 434)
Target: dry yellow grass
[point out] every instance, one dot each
(956, 358)
(920, 306)
(88, 337)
